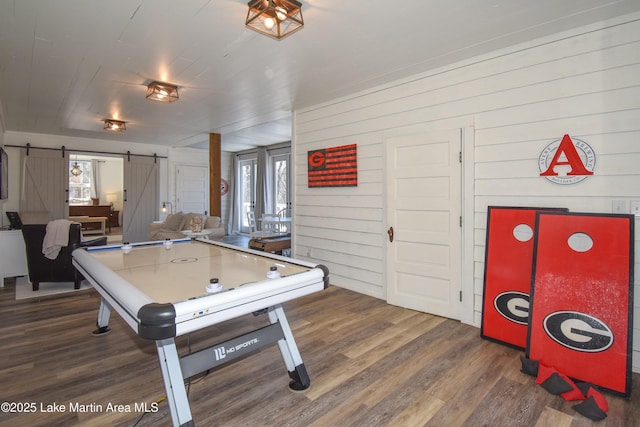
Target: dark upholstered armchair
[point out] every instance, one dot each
(43, 269)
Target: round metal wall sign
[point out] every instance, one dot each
(224, 187)
(567, 161)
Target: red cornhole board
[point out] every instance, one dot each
(580, 320)
(507, 274)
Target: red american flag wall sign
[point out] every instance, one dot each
(333, 167)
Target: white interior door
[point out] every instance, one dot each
(192, 189)
(424, 260)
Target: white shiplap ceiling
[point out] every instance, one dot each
(67, 64)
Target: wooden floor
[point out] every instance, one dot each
(371, 364)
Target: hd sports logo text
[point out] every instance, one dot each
(567, 161)
(222, 351)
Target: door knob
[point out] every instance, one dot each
(390, 233)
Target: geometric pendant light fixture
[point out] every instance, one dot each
(275, 18)
(162, 92)
(75, 169)
(114, 125)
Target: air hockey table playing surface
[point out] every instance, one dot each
(160, 291)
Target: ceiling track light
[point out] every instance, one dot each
(162, 92)
(275, 18)
(114, 125)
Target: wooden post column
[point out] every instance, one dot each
(215, 205)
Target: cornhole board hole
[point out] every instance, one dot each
(580, 319)
(507, 274)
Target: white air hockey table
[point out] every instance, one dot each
(159, 289)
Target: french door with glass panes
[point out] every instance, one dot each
(281, 183)
(247, 178)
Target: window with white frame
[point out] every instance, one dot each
(80, 182)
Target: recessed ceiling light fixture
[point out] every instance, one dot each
(275, 18)
(114, 125)
(163, 92)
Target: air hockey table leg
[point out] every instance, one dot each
(102, 323)
(297, 372)
(174, 383)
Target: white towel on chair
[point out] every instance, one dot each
(56, 237)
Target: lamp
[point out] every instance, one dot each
(75, 169)
(275, 18)
(111, 197)
(114, 125)
(163, 92)
(164, 207)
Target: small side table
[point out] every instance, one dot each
(13, 262)
(114, 219)
(271, 244)
(102, 220)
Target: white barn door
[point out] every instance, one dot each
(140, 197)
(192, 189)
(424, 260)
(45, 180)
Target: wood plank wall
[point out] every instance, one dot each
(585, 82)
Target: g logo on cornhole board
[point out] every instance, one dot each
(513, 306)
(578, 331)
